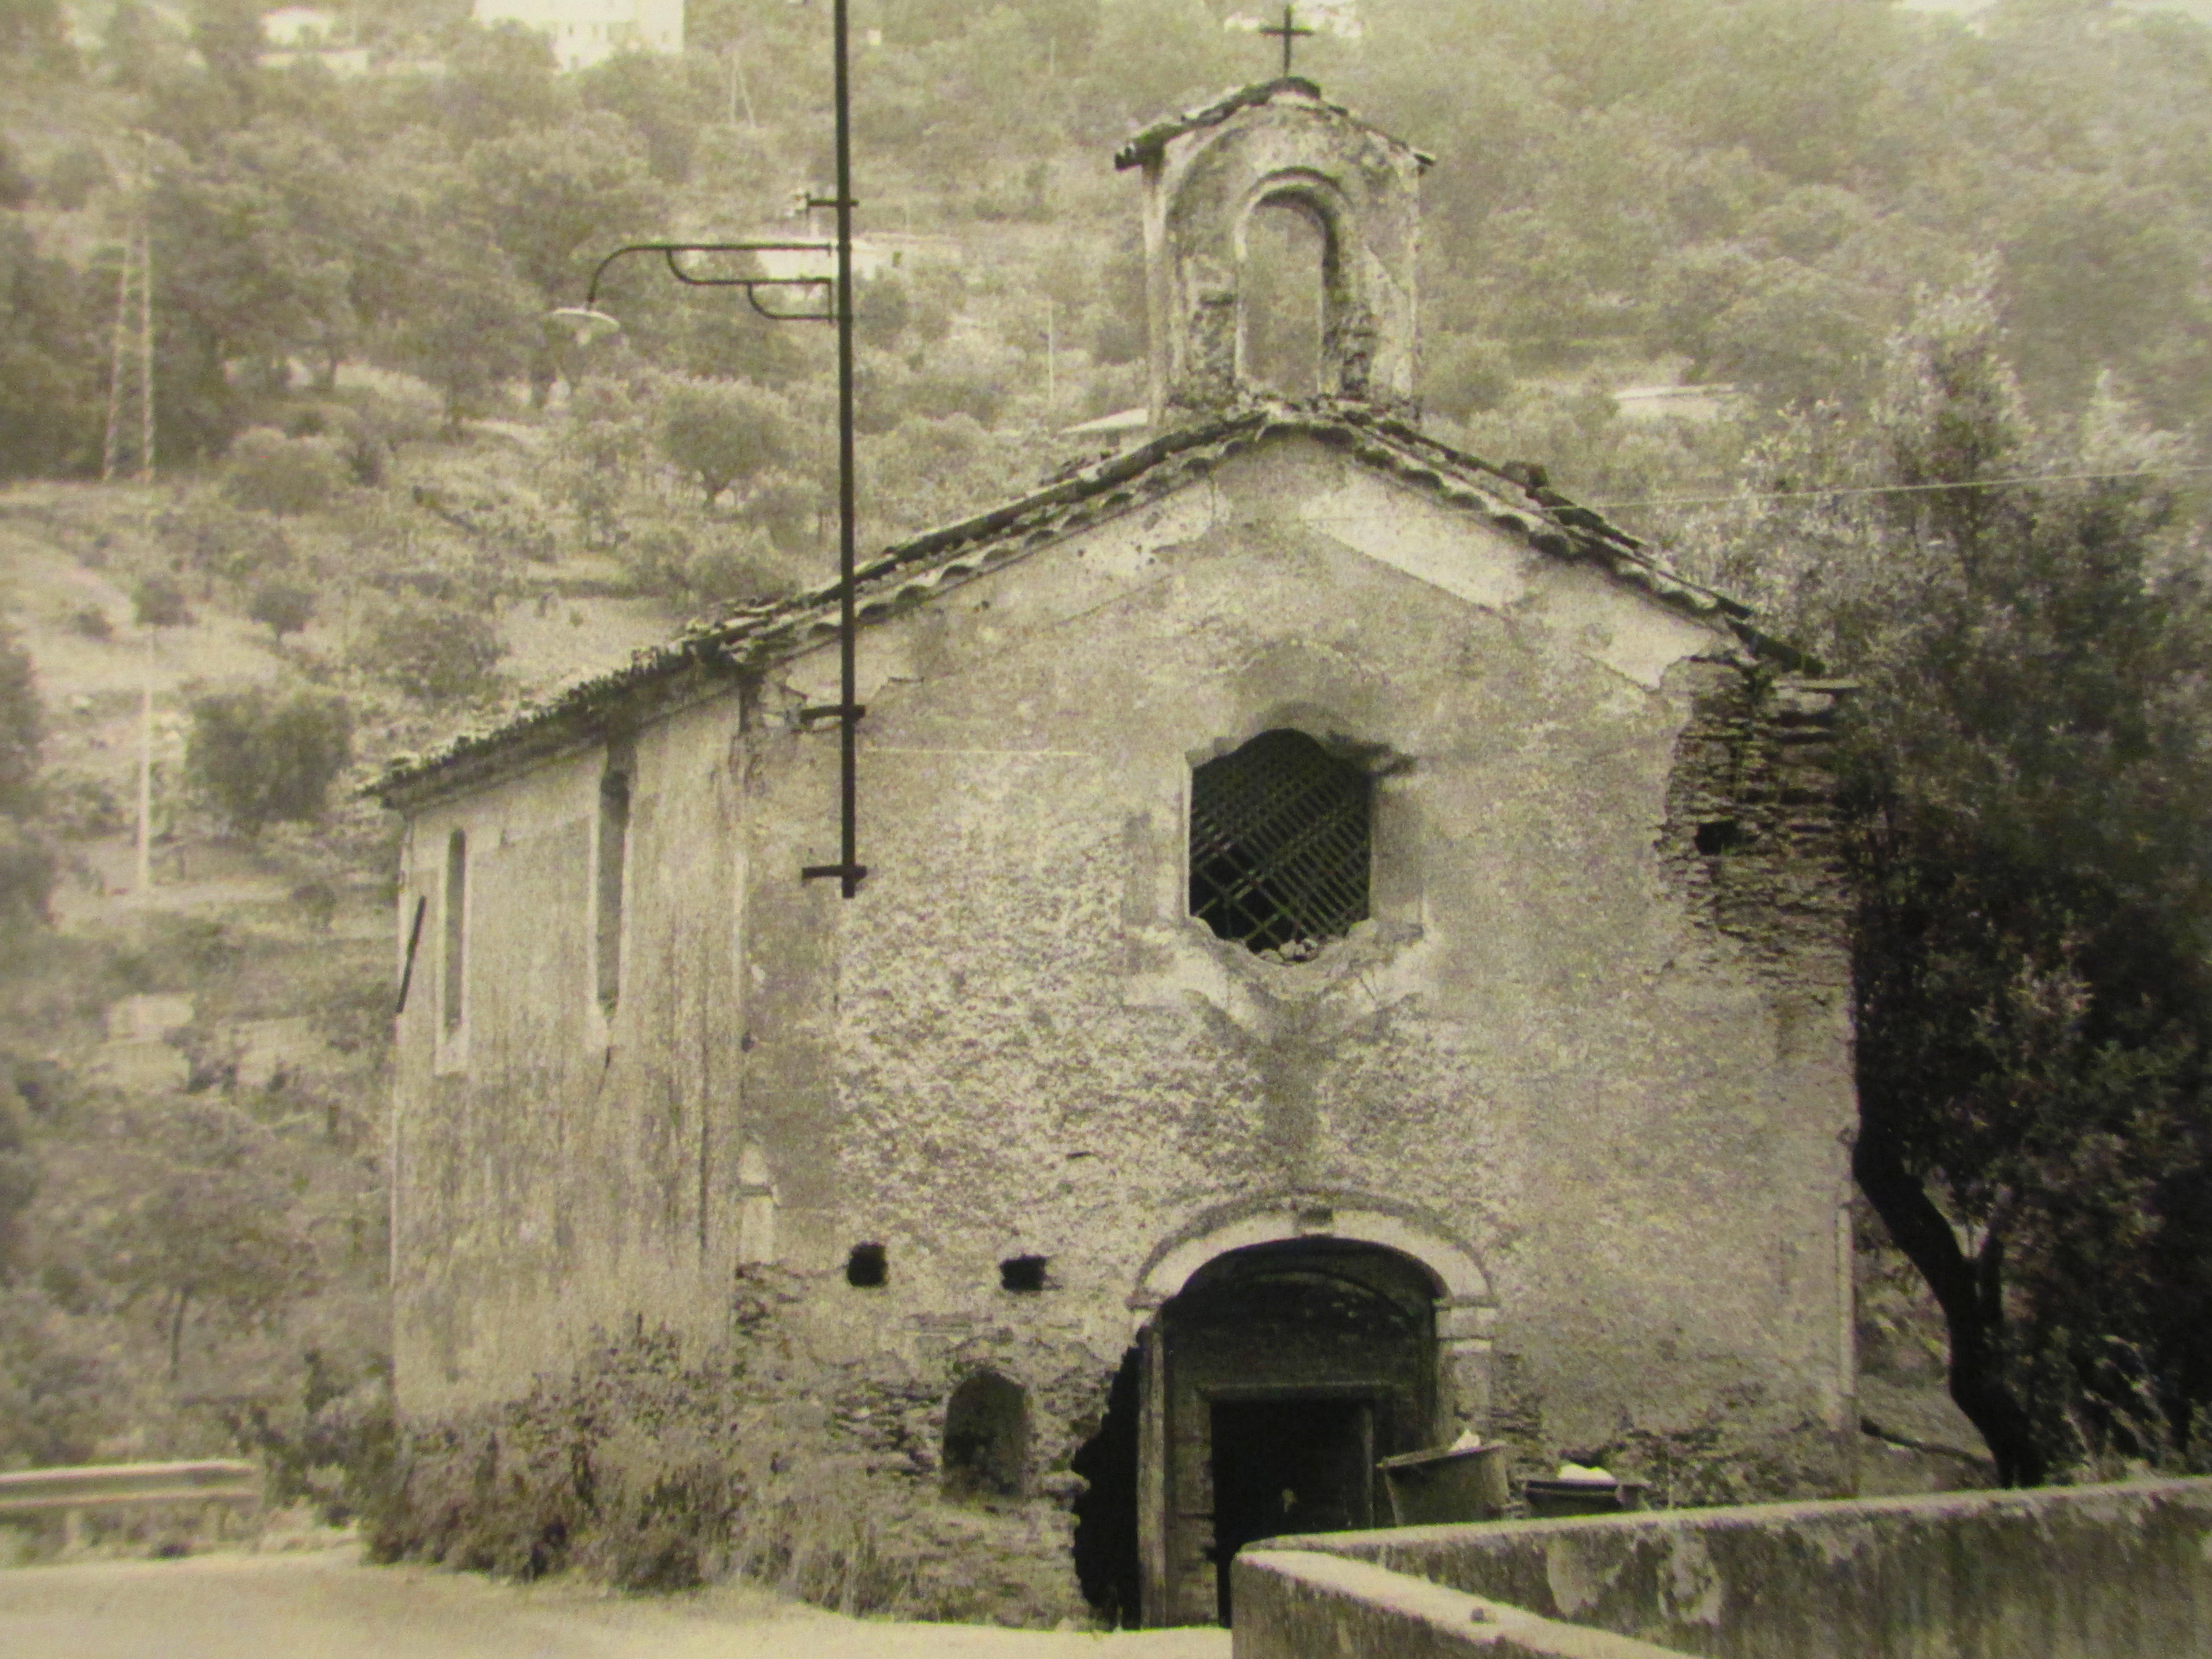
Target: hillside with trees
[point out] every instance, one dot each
(1927, 299)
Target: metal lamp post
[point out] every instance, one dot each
(587, 324)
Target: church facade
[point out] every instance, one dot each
(1353, 952)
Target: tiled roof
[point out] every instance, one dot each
(1517, 499)
(1147, 145)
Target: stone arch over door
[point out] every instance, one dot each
(1287, 1346)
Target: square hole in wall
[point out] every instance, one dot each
(1022, 1273)
(868, 1267)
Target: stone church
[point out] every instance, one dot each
(1353, 952)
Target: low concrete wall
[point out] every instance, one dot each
(1295, 1605)
(2078, 1572)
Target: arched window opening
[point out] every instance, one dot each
(1280, 844)
(454, 974)
(613, 860)
(1284, 288)
(987, 1438)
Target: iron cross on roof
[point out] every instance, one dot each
(1288, 31)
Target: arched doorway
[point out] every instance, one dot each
(1284, 1369)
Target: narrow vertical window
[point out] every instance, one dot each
(613, 861)
(457, 882)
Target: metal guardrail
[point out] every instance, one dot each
(222, 1482)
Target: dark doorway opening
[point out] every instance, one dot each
(1310, 1359)
(1288, 1466)
(1106, 1509)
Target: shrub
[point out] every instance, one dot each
(277, 474)
(209, 534)
(258, 757)
(430, 649)
(283, 607)
(79, 807)
(159, 602)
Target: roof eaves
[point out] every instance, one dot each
(1146, 146)
(753, 637)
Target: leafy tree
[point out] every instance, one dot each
(723, 434)
(207, 1224)
(556, 201)
(59, 1395)
(16, 186)
(497, 81)
(2026, 781)
(51, 370)
(431, 649)
(283, 607)
(467, 323)
(659, 100)
(260, 757)
(600, 456)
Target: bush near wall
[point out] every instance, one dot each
(655, 1467)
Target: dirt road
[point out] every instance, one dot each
(328, 1605)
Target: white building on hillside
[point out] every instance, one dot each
(588, 32)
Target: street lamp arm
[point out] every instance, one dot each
(673, 253)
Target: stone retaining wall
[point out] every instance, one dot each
(2081, 1572)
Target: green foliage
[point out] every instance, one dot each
(157, 601)
(18, 1174)
(57, 1389)
(267, 471)
(722, 435)
(49, 368)
(260, 757)
(434, 649)
(283, 607)
(75, 176)
(206, 1222)
(2026, 776)
(466, 323)
(212, 536)
(36, 32)
(555, 200)
(22, 728)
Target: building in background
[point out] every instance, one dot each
(588, 32)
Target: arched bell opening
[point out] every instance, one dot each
(1287, 271)
(1287, 1369)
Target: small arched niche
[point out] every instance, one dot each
(1287, 271)
(987, 1438)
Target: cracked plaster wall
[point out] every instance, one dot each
(1610, 1069)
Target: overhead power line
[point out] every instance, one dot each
(1897, 489)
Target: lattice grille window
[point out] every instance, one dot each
(1280, 844)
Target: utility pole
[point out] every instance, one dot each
(739, 88)
(130, 360)
(145, 884)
